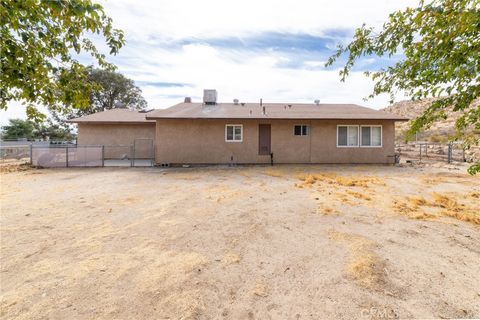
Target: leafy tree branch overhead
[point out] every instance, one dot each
(440, 41)
(37, 41)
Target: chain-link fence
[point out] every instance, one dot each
(56, 156)
(140, 154)
(118, 155)
(14, 152)
(433, 152)
(143, 152)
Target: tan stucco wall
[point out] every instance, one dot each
(203, 142)
(112, 135)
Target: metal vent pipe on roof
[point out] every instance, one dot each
(188, 100)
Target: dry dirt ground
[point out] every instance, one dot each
(282, 242)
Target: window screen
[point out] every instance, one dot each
(238, 133)
(300, 130)
(347, 136)
(229, 132)
(342, 136)
(366, 136)
(352, 136)
(376, 136)
(233, 133)
(297, 130)
(304, 130)
(371, 136)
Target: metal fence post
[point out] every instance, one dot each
(449, 152)
(31, 153)
(132, 161)
(154, 152)
(66, 156)
(103, 156)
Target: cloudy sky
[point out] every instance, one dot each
(248, 49)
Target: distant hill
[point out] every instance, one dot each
(439, 131)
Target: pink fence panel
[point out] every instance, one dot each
(49, 157)
(55, 157)
(85, 156)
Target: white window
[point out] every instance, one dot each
(371, 136)
(347, 136)
(234, 133)
(300, 130)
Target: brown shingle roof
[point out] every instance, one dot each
(272, 111)
(114, 116)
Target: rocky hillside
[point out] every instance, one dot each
(439, 132)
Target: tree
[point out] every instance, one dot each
(26, 129)
(37, 41)
(54, 131)
(112, 90)
(18, 128)
(440, 41)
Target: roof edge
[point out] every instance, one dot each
(266, 118)
(110, 122)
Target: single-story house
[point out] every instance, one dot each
(118, 130)
(210, 132)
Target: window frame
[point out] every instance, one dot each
(371, 126)
(301, 130)
(358, 135)
(233, 125)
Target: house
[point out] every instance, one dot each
(211, 132)
(118, 130)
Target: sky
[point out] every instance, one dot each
(247, 50)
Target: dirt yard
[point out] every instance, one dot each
(282, 242)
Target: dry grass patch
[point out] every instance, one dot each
(474, 194)
(434, 180)
(446, 205)
(364, 265)
(8, 168)
(327, 211)
(417, 201)
(411, 209)
(332, 178)
(307, 180)
(220, 193)
(274, 173)
(260, 289)
(231, 258)
(359, 195)
(452, 208)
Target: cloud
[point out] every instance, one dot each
(247, 49)
(162, 84)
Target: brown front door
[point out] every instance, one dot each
(264, 135)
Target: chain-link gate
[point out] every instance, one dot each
(118, 155)
(143, 152)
